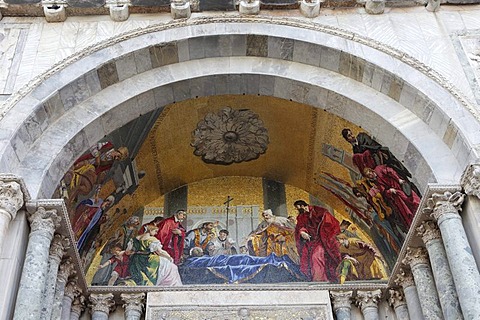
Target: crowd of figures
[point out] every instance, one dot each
(314, 242)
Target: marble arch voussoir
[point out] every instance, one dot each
(81, 101)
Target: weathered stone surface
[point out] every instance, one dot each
(151, 3)
(163, 54)
(86, 3)
(257, 45)
(220, 5)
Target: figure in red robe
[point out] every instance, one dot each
(171, 234)
(396, 191)
(317, 244)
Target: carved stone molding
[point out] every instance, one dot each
(416, 256)
(72, 290)
(67, 269)
(368, 299)
(11, 198)
(429, 231)
(471, 180)
(404, 278)
(60, 244)
(133, 301)
(44, 220)
(102, 302)
(341, 299)
(440, 204)
(230, 136)
(396, 297)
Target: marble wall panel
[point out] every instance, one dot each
(203, 86)
(330, 59)
(213, 48)
(308, 53)
(450, 134)
(150, 3)
(37, 123)
(126, 66)
(181, 90)
(267, 85)
(257, 45)
(164, 54)
(86, 3)
(214, 5)
(142, 60)
(107, 74)
(163, 95)
(221, 84)
(252, 84)
(280, 48)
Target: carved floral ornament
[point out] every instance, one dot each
(230, 136)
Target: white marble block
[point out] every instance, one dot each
(119, 12)
(310, 9)
(55, 12)
(249, 7)
(180, 9)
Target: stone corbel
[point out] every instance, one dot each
(180, 9)
(373, 6)
(471, 180)
(54, 10)
(249, 7)
(310, 8)
(119, 9)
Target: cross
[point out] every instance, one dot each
(228, 207)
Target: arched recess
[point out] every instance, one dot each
(410, 108)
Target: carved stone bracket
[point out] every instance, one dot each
(471, 180)
(133, 301)
(11, 198)
(44, 220)
(102, 302)
(404, 278)
(440, 204)
(341, 299)
(416, 256)
(429, 231)
(396, 297)
(368, 299)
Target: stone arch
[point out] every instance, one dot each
(66, 110)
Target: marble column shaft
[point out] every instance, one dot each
(67, 269)
(57, 250)
(29, 297)
(11, 200)
(342, 304)
(134, 303)
(71, 291)
(441, 270)
(78, 306)
(397, 301)
(101, 305)
(405, 279)
(422, 275)
(444, 208)
(368, 303)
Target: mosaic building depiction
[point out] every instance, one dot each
(239, 160)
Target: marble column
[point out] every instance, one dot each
(368, 303)
(447, 294)
(342, 304)
(11, 200)
(67, 269)
(78, 306)
(133, 304)
(101, 305)
(57, 250)
(71, 291)
(405, 279)
(398, 303)
(444, 208)
(417, 259)
(29, 297)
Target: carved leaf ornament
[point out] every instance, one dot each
(230, 136)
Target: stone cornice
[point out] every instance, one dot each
(471, 180)
(284, 21)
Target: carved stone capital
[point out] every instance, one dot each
(133, 301)
(396, 297)
(368, 299)
(67, 269)
(102, 302)
(440, 204)
(416, 256)
(429, 231)
(11, 198)
(59, 246)
(78, 305)
(341, 299)
(44, 220)
(404, 278)
(471, 180)
(72, 290)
